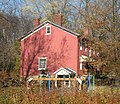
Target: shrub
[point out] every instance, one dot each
(20, 95)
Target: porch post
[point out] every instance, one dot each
(40, 82)
(56, 81)
(49, 82)
(88, 82)
(69, 81)
(64, 81)
(93, 84)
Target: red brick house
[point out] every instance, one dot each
(53, 48)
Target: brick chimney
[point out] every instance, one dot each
(36, 22)
(57, 18)
(87, 31)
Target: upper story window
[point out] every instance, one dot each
(89, 53)
(85, 46)
(85, 49)
(81, 45)
(48, 30)
(80, 63)
(93, 52)
(42, 63)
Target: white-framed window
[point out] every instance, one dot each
(89, 53)
(80, 63)
(81, 45)
(48, 30)
(42, 63)
(93, 52)
(85, 49)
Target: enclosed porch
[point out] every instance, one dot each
(64, 73)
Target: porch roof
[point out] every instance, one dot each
(64, 71)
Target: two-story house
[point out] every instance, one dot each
(52, 48)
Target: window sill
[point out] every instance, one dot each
(48, 34)
(41, 68)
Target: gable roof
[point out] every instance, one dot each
(68, 70)
(46, 22)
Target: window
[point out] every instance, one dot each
(89, 53)
(87, 66)
(85, 46)
(81, 45)
(48, 30)
(85, 49)
(42, 63)
(80, 63)
(93, 52)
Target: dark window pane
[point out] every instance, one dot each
(42, 63)
(48, 29)
(80, 43)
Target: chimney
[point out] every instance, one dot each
(57, 18)
(87, 31)
(36, 22)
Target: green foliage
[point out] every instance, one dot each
(62, 101)
(17, 55)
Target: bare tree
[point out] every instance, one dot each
(12, 26)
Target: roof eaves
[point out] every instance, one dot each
(63, 28)
(72, 71)
(33, 30)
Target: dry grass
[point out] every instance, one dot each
(20, 95)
